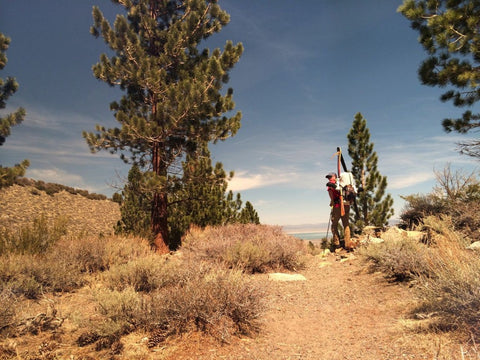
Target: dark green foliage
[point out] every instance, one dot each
(202, 198)
(117, 198)
(135, 206)
(173, 102)
(7, 88)
(419, 206)
(248, 215)
(375, 207)
(449, 33)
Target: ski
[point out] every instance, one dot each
(339, 161)
(342, 161)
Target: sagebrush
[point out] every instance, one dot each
(250, 248)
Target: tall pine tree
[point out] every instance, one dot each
(449, 32)
(173, 100)
(375, 208)
(7, 88)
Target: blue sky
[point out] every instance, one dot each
(308, 67)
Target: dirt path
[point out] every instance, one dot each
(339, 312)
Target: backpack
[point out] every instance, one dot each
(347, 184)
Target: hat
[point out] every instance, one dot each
(329, 175)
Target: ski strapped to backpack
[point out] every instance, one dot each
(347, 182)
(339, 159)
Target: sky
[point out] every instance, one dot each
(308, 67)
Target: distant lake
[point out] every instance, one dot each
(310, 236)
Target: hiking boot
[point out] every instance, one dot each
(348, 245)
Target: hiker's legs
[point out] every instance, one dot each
(335, 218)
(346, 228)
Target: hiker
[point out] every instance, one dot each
(334, 190)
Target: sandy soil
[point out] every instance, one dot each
(340, 312)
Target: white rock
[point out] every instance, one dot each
(474, 246)
(375, 240)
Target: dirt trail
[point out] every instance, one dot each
(340, 312)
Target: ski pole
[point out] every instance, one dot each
(328, 226)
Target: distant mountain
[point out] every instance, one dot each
(305, 228)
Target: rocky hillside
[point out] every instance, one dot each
(21, 205)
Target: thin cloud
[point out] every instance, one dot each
(401, 182)
(56, 175)
(245, 181)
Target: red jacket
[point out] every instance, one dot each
(334, 195)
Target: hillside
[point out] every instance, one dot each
(20, 205)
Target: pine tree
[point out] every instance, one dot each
(135, 206)
(202, 198)
(7, 88)
(173, 100)
(375, 208)
(449, 33)
(248, 215)
(199, 197)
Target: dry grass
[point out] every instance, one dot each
(144, 274)
(201, 297)
(206, 298)
(7, 309)
(249, 248)
(399, 258)
(451, 290)
(33, 239)
(444, 273)
(132, 290)
(93, 254)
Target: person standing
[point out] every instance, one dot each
(334, 191)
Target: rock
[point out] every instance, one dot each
(325, 253)
(286, 277)
(394, 233)
(324, 263)
(474, 246)
(374, 240)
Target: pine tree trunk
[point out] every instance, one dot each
(159, 207)
(159, 222)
